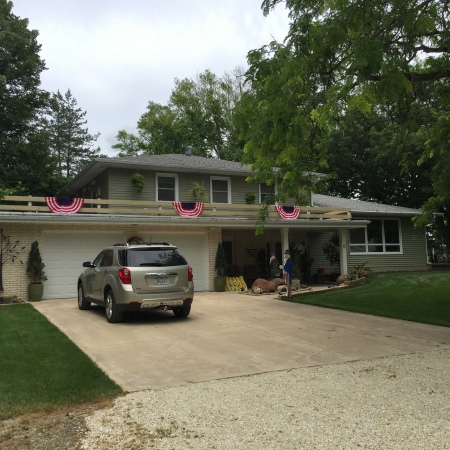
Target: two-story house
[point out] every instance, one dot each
(380, 235)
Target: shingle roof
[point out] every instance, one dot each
(327, 201)
(181, 162)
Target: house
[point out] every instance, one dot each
(380, 235)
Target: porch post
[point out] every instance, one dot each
(285, 238)
(343, 249)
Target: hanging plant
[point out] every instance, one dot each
(137, 180)
(331, 250)
(197, 192)
(250, 198)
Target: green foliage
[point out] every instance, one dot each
(388, 61)
(415, 296)
(221, 262)
(42, 369)
(138, 182)
(199, 112)
(20, 69)
(197, 192)
(24, 153)
(70, 141)
(359, 271)
(250, 198)
(331, 250)
(261, 218)
(35, 266)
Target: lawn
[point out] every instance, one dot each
(416, 296)
(40, 368)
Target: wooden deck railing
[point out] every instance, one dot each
(159, 208)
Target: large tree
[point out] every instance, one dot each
(21, 102)
(199, 113)
(374, 56)
(70, 141)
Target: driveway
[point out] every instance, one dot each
(230, 334)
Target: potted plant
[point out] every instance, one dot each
(198, 193)
(35, 271)
(137, 180)
(250, 198)
(221, 263)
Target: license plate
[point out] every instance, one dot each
(161, 280)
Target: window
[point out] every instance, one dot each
(166, 187)
(266, 191)
(220, 190)
(151, 257)
(380, 236)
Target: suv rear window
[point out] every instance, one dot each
(151, 257)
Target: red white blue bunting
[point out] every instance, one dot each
(189, 209)
(288, 212)
(64, 205)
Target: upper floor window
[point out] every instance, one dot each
(380, 236)
(220, 190)
(166, 187)
(266, 191)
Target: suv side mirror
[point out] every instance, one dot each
(88, 264)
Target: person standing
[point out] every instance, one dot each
(287, 272)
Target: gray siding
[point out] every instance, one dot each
(120, 187)
(413, 257)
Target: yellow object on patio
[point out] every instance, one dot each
(236, 284)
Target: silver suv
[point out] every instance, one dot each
(133, 277)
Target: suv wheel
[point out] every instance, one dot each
(82, 302)
(113, 315)
(182, 311)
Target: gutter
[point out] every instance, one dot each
(173, 221)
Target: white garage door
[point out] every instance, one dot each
(195, 249)
(64, 253)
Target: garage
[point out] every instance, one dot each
(63, 254)
(194, 248)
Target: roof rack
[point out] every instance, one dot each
(129, 244)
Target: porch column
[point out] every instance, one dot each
(284, 238)
(342, 232)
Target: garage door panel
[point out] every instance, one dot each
(194, 249)
(64, 254)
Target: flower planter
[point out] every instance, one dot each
(35, 292)
(220, 284)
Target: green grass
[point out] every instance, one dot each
(41, 369)
(415, 296)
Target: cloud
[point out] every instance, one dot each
(117, 56)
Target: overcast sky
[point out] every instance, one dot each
(115, 56)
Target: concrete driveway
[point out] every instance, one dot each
(230, 334)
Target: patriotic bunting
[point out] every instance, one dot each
(189, 209)
(288, 212)
(64, 205)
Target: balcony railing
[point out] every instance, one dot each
(159, 208)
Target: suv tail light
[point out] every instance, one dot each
(190, 274)
(124, 276)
